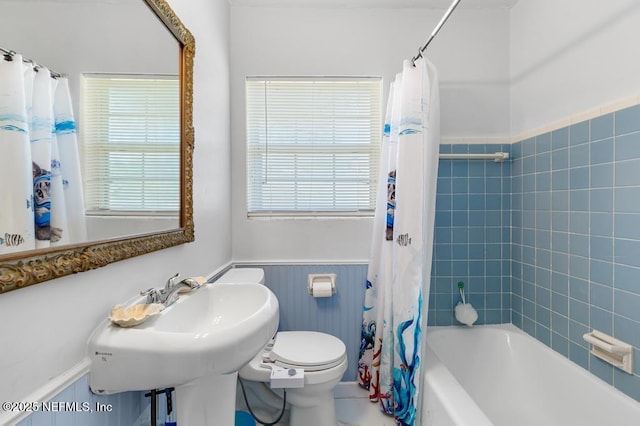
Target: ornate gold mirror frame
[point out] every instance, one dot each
(27, 268)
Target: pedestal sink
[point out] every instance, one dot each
(196, 345)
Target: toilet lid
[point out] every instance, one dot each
(307, 349)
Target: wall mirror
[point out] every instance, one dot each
(89, 38)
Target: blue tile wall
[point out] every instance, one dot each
(472, 236)
(126, 409)
(576, 238)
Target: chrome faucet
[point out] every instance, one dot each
(169, 294)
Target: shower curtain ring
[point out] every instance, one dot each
(415, 58)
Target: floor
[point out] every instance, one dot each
(360, 412)
(352, 408)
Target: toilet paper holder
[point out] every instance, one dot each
(321, 279)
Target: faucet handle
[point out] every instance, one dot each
(153, 296)
(171, 281)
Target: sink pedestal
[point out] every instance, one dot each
(207, 401)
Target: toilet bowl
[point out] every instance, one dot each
(322, 357)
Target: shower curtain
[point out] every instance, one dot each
(40, 170)
(398, 278)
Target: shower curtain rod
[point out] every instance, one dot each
(9, 54)
(436, 30)
(497, 157)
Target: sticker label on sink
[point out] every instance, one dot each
(103, 355)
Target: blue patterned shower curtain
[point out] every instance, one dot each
(398, 279)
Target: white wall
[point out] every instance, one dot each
(44, 328)
(471, 53)
(120, 37)
(571, 56)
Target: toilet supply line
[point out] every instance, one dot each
(262, 422)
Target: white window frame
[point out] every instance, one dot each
(155, 154)
(309, 136)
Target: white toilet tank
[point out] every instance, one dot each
(242, 275)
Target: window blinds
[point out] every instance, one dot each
(131, 143)
(312, 145)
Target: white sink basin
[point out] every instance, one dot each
(211, 331)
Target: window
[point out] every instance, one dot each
(313, 145)
(131, 144)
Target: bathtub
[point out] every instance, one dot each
(499, 375)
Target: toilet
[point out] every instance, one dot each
(322, 356)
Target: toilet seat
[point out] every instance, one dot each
(320, 355)
(308, 350)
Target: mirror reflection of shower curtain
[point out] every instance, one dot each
(16, 181)
(67, 142)
(41, 135)
(398, 278)
(40, 172)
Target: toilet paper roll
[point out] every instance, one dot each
(321, 289)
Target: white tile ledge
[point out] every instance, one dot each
(49, 390)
